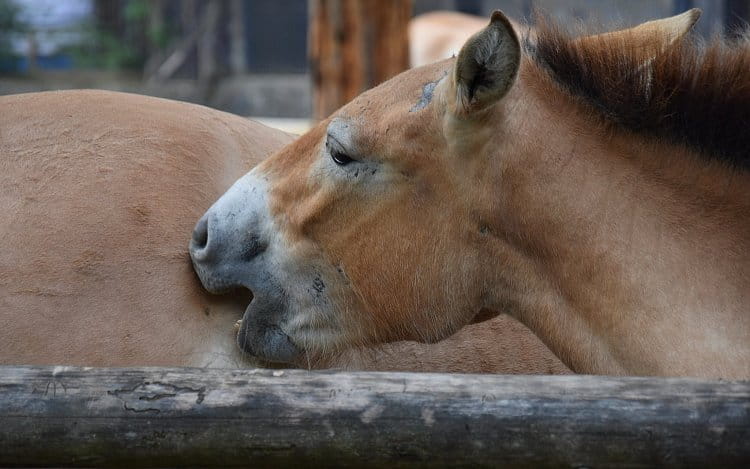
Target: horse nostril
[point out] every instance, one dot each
(213, 243)
(200, 235)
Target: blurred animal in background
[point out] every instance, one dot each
(439, 35)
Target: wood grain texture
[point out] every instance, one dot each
(146, 417)
(355, 45)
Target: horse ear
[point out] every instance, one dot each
(486, 66)
(652, 37)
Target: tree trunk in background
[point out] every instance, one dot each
(355, 45)
(237, 52)
(155, 54)
(187, 16)
(207, 66)
(32, 53)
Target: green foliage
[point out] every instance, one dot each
(137, 11)
(160, 36)
(10, 24)
(126, 48)
(9, 19)
(104, 49)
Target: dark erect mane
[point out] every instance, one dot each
(693, 94)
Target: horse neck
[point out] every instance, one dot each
(632, 256)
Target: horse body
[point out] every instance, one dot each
(439, 35)
(503, 182)
(100, 191)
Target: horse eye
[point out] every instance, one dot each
(341, 159)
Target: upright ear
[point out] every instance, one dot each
(486, 66)
(652, 37)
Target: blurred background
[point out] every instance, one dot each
(287, 62)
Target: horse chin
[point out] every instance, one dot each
(260, 337)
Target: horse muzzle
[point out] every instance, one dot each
(229, 249)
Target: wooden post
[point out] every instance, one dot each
(170, 417)
(355, 45)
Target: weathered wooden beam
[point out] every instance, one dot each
(139, 417)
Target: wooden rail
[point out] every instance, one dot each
(147, 417)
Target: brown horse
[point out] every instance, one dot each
(99, 190)
(594, 188)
